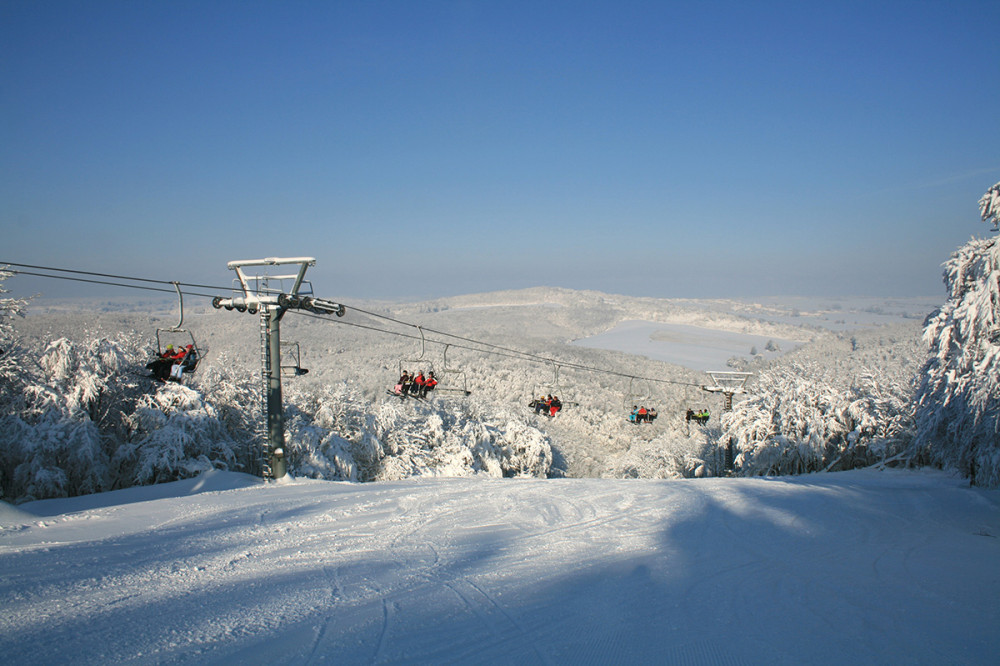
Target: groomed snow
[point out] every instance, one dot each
(854, 567)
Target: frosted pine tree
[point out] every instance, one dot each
(55, 434)
(958, 401)
(10, 308)
(176, 435)
(337, 434)
(802, 418)
(11, 383)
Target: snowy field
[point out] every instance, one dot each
(856, 567)
(694, 347)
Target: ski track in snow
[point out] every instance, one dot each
(859, 566)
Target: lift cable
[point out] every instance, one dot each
(110, 275)
(519, 354)
(493, 349)
(524, 354)
(113, 284)
(414, 337)
(513, 352)
(500, 351)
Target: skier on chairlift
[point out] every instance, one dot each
(429, 384)
(182, 361)
(554, 405)
(403, 387)
(161, 366)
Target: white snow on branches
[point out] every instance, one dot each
(77, 418)
(337, 434)
(989, 206)
(958, 401)
(800, 419)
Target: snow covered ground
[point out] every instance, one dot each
(854, 567)
(694, 347)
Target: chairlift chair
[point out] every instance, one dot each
(450, 380)
(178, 336)
(420, 363)
(556, 388)
(293, 367)
(638, 392)
(413, 365)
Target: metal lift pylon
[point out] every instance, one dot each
(727, 383)
(255, 294)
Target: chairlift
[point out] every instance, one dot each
(556, 388)
(420, 363)
(451, 380)
(638, 392)
(292, 367)
(700, 417)
(178, 336)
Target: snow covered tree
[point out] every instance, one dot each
(989, 206)
(671, 455)
(177, 435)
(57, 433)
(234, 393)
(958, 401)
(10, 352)
(800, 418)
(337, 434)
(76, 420)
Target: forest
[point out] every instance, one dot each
(79, 414)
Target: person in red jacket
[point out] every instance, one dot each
(177, 367)
(161, 366)
(554, 405)
(429, 384)
(418, 384)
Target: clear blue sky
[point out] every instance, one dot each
(421, 149)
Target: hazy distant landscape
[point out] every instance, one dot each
(620, 337)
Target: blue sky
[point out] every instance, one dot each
(424, 149)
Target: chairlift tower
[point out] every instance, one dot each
(266, 294)
(728, 384)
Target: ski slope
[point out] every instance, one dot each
(854, 567)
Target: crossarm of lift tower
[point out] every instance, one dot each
(257, 292)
